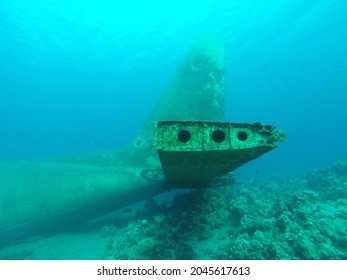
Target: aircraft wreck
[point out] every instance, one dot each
(185, 142)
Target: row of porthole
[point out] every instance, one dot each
(217, 136)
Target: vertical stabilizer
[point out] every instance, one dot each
(196, 92)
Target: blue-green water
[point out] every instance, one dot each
(81, 76)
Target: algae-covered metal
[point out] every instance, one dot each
(43, 197)
(195, 152)
(196, 92)
(47, 196)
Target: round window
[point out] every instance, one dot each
(218, 136)
(242, 136)
(183, 136)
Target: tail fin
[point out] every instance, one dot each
(196, 92)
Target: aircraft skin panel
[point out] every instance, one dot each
(51, 195)
(196, 92)
(44, 198)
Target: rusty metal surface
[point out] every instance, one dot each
(195, 152)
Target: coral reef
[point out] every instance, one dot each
(298, 217)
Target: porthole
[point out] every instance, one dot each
(183, 136)
(218, 136)
(242, 136)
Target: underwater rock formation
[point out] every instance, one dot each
(261, 218)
